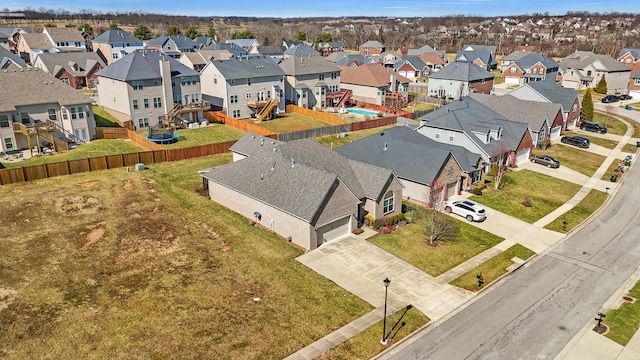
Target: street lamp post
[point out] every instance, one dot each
(386, 282)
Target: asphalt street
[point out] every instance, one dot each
(536, 311)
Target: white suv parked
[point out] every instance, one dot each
(467, 209)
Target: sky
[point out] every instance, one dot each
(333, 8)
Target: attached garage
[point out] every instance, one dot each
(512, 80)
(333, 230)
(555, 132)
(451, 189)
(522, 156)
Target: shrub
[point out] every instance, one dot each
(395, 219)
(368, 220)
(477, 191)
(527, 201)
(544, 144)
(385, 229)
(377, 223)
(494, 170)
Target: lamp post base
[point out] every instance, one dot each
(383, 342)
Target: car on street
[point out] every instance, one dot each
(625, 97)
(592, 126)
(578, 141)
(467, 209)
(610, 99)
(545, 160)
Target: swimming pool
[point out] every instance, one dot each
(363, 112)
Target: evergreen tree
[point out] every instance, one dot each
(172, 30)
(245, 34)
(192, 32)
(323, 37)
(587, 107)
(87, 28)
(601, 88)
(211, 32)
(142, 32)
(113, 26)
(300, 35)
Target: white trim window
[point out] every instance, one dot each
(451, 136)
(388, 203)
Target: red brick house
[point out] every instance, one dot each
(371, 48)
(77, 70)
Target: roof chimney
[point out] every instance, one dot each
(293, 163)
(385, 147)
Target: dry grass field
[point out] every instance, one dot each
(138, 265)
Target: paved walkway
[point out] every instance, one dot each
(358, 266)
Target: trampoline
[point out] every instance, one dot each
(161, 135)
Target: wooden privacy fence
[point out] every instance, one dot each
(122, 133)
(111, 133)
(330, 130)
(220, 117)
(326, 118)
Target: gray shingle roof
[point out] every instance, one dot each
(471, 56)
(531, 59)
(255, 66)
(469, 116)
(244, 43)
(300, 50)
(270, 50)
(555, 93)
(117, 36)
(86, 61)
(184, 43)
(232, 48)
(37, 41)
(143, 64)
(353, 59)
(300, 65)
(296, 176)
(373, 43)
(408, 154)
(518, 54)
(415, 61)
(29, 87)
(524, 111)
(335, 56)
(421, 50)
(463, 71)
(65, 34)
(476, 47)
(610, 64)
(6, 56)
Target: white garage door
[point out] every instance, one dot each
(511, 80)
(451, 189)
(333, 230)
(555, 132)
(522, 156)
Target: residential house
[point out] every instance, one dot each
(234, 49)
(114, 44)
(274, 52)
(470, 124)
(246, 44)
(579, 55)
(417, 161)
(148, 87)
(629, 56)
(197, 60)
(353, 60)
(204, 41)
(459, 79)
(477, 47)
(426, 49)
(586, 73)
(433, 61)
(10, 61)
(373, 84)
(301, 190)
(9, 37)
(327, 48)
(371, 48)
(308, 81)
(550, 92)
(300, 50)
(545, 119)
(173, 45)
(290, 44)
(411, 67)
(77, 70)
(31, 45)
(634, 81)
(37, 109)
(245, 88)
(511, 58)
(530, 68)
(387, 58)
(66, 39)
(482, 58)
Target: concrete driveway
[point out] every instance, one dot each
(359, 267)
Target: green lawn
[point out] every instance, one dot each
(214, 133)
(420, 106)
(334, 141)
(578, 213)
(366, 344)
(291, 122)
(95, 148)
(574, 158)
(408, 244)
(103, 118)
(625, 321)
(613, 126)
(492, 269)
(498, 76)
(612, 170)
(546, 193)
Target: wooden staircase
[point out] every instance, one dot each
(49, 131)
(267, 111)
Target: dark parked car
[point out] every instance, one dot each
(610, 99)
(591, 126)
(578, 141)
(625, 97)
(547, 161)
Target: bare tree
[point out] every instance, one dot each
(609, 110)
(499, 156)
(437, 225)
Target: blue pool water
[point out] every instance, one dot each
(363, 112)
